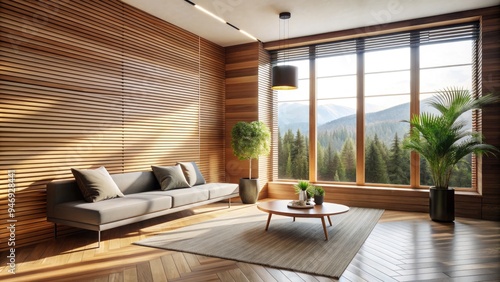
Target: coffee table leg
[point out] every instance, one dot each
(324, 228)
(268, 220)
(330, 220)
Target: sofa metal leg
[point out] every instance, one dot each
(98, 239)
(229, 203)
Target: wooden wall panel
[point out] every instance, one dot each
(91, 83)
(57, 108)
(361, 197)
(414, 200)
(490, 26)
(248, 98)
(212, 109)
(161, 93)
(242, 102)
(268, 100)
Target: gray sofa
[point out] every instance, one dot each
(143, 200)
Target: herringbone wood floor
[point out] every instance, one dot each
(402, 247)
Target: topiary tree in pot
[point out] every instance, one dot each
(250, 140)
(443, 141)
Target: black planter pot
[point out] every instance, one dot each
(442, 204)
(318, 200)
(249, 190)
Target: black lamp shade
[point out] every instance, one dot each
(285, 77)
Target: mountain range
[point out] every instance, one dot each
(331, 118)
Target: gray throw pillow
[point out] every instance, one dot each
(192, 173)
(170, 177)
(96, 184)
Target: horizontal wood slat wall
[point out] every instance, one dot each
(267, 101)
(248, 98)
(361, 197)
(242, 101)
(490, 27)
(161, 93)
(91, 83)
(212, 78)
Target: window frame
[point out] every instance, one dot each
(412, 39)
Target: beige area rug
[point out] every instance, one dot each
(299, 246)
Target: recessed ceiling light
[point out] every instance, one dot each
(221, 20)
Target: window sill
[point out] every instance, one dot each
(459, 191)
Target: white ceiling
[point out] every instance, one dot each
(260, 17)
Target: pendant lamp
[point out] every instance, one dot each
(285, 77)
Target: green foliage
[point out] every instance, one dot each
(318, 191)
(425, 173)
(398, 166)
(300, 153)
(310, 192)
(293, 156)
(349, 160)
(331, 166)
(441, 138)
(250, 140)
(339, 167)
(302, 185)
(375, 165)
(392, 157)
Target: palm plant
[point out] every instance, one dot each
(442, 139)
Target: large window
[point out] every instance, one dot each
(293, 127)
(364, 88)
(387, 102)
(443, 65)
(336, 118)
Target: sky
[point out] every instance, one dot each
(387, 76)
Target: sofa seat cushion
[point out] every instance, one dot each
(115, 209)
(217, 190)
(186, 196)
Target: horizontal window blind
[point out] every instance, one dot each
(464, 31)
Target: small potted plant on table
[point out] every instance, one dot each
(319, 195)
(303, 188)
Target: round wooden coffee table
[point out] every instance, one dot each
(280, 207)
